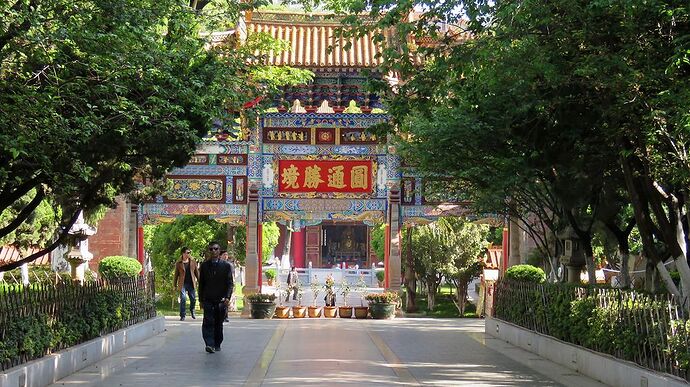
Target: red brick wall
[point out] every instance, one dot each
(111, 238)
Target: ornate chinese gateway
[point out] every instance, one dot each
(312, 164)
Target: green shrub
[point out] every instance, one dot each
(380, 275)
(270, 274)
(118, 266)
(678, 342)
(526, 273)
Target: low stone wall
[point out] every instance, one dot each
(604, 368)
(49, 369)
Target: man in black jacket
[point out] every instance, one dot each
(215, 289)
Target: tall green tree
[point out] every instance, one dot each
(547, 104)
(469, 243)
(96, 95)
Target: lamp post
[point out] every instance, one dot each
(79, 254)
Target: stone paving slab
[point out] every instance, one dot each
(399, 352)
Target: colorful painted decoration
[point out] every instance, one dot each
(198, 189)
(352, 176)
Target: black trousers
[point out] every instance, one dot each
(212, 326)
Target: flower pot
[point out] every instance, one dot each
(282, 312)
(315, 311)
(299, 311)
(311, 109)
(345, 311)
(338, 109)
(282, 109)
(263, 309)
(330, 311)
(361, 311)
(366, 109)
(382, 310)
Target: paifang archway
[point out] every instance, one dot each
(315, 167)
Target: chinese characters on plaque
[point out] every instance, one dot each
(352, 176)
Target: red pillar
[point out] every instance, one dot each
(259, 252)
(297, 248)
(140, 243)
(386, 250)
(506, 248)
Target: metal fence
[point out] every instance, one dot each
(43, 318)
(651, 330)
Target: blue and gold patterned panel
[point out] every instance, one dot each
(197, 189)
(320, 120)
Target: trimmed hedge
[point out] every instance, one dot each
(525, 273)
(117, 266)
(380, 275)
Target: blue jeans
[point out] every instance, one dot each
(212, 326)
(187, 289)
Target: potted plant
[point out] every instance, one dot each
(281, 311)
(270, 276)
(382, 305)
(263, 305)
(330, 310)
(315, 311)
(299, 311)
(361, 311)
(345, 311)
(380, 277)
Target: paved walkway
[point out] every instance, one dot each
(400, 352)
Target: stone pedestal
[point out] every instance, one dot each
(252, 261)
(394, 257)
(574, 274)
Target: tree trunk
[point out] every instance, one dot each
(461, 290)
(666, 277)
(589, 261)
(649, 274)
(624, 279)
(431, 294)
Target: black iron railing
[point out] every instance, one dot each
(42, 318)
(650, 330)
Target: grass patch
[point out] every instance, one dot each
(444, 308)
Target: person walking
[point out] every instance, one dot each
(226, 257)
(185, 281)
(292, 284)
(215, 289)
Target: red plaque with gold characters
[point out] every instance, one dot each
(351, 176)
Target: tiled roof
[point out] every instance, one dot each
(310, 37)
(493, 257)
(9, 254)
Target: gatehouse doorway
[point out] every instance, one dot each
(344, 245)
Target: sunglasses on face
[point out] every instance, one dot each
(213, 248)
(187, 252)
